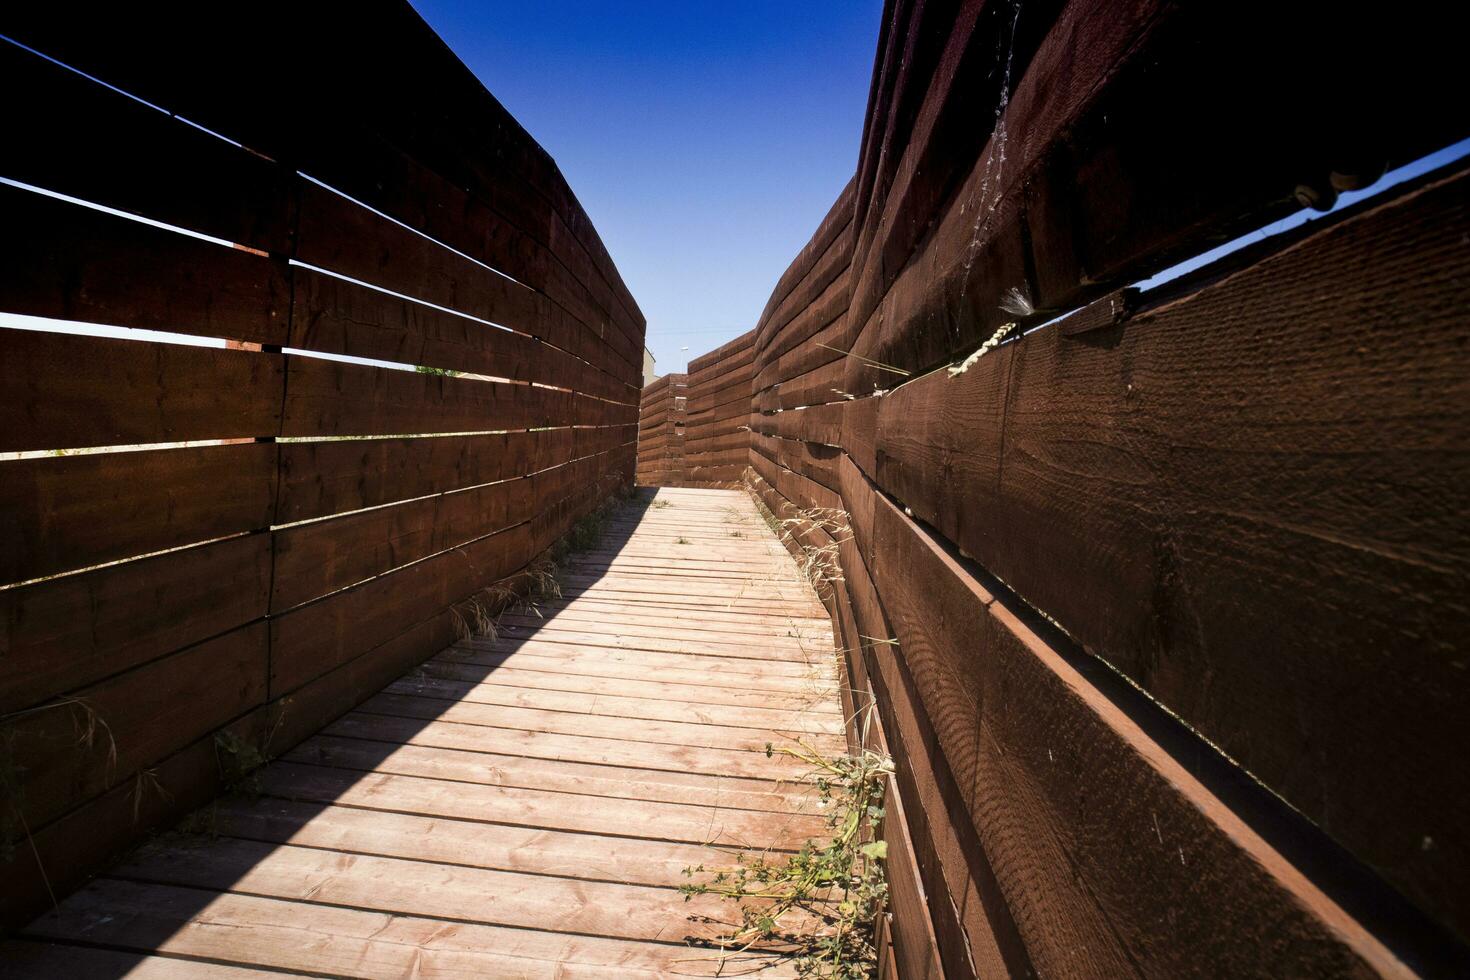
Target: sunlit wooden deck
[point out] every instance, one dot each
(522, 806)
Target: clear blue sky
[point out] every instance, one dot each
(705, 139)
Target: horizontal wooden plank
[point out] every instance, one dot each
(67, 752)
(755, 716)
(87, 963)
(1118, 446)
(440, 86)
(172, 172)
(515, 718)
(837, 219)
(329, 398)
(1097, 195)
(62, 855)
(316, 558)
(59, 391)
(967, 919)
(501, 227)
(322, 478)
(973, 663)
(66, 633)
(70, 262)
(341, 317)
(341, 236)
(59, 514)
(310, 640)
(266, 932)
(531, 850)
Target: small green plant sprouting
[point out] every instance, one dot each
(239, 763)
(839, 883)
(681, 540)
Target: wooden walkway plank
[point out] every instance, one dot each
(523, 804)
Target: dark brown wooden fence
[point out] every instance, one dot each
(694, 429)
(1162, 606)
(171, 612)
(717, 434)
(661, 421)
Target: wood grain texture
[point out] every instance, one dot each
(328, 398)
(68, 632)
(104, 735)
(341, 317)
(70, 262)
(60, 391)
(538, 785)
(59, 514)
(1170, 489)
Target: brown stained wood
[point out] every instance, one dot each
(472, 142)
(813, 338)
(649, 785)
(310, 640)
(492, 229)
(58, 514)
(967, 914)
(1098, 194)
(493, 759)
(498, 847)
(662, 433)
(172, 172)
(1202, 468)
(72, 848)
(70, 262)
(323, 478)
(956, 63)
(825, 289)
(286, 935)
(835, 225)
(938, 443)
(819, 423)
(60, 391)
(328, 398)
(697, 735)
(71, 750)
(341, 317)
(1028, 760)
(343, 237)
(314, 559)
(67, 633)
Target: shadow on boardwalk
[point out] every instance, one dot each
(522, 804)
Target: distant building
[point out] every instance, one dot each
(648, 372)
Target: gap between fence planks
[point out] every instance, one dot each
(523, 804)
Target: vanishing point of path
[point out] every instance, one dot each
(522, 806)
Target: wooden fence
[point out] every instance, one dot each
(661, 422)
(1161, 607)
(717, 440)
(172, 613)
(694, 429)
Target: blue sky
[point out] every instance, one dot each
(705, 140)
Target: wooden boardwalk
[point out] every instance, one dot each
(522, 806)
